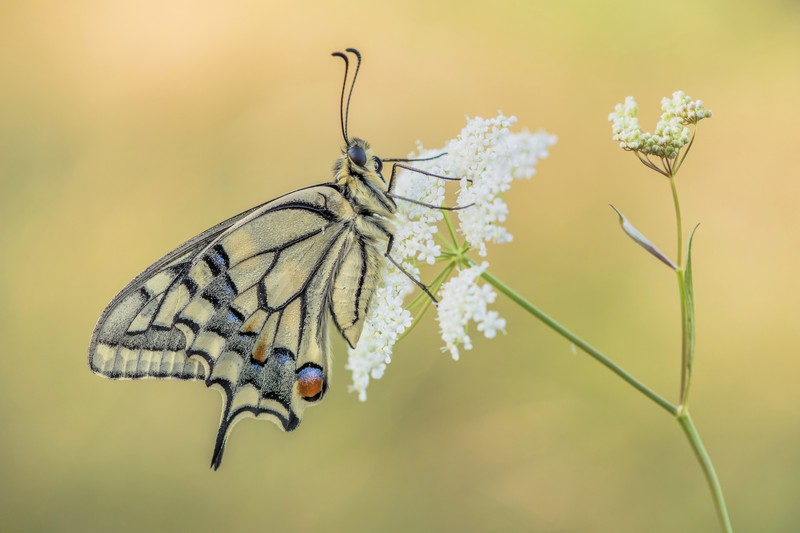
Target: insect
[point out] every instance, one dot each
(245, 306)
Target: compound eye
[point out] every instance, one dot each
(357, 155)
(378, 165)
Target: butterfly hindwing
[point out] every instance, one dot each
(245, 305)
(353, 288)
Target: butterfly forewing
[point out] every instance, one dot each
(245, 305)
(125, 344)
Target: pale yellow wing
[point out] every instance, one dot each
(245, 306)
(353, 288)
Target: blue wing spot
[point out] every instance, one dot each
(283, 356)
(309, 373)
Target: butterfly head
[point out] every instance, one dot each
(359, 163)
(363, 160)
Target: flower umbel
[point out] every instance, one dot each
(684, 108)
(463, 301)
(671, 136)
(487, 157)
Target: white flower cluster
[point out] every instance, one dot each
(416, 225)
(486, 153)
(625, 124)
(386, 321)
(671, 133)
(462, 301)
(684, 108)
(487, 157)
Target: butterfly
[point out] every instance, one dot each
(245, 306)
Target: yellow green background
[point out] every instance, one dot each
(128, 126)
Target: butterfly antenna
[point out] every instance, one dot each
(352, 84)
(341, 101)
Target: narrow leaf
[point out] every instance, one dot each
(688, 316)
(641, 240)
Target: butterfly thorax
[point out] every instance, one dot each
(358, 174)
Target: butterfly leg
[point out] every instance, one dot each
(417, 282)
(443, 208)
(414, 169)
(413, 159)
(390, 188)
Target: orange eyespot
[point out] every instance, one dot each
(310, 382)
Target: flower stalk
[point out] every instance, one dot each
(670, 145)
(686, 423)
(678, 219)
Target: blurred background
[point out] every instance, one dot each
(128, 126)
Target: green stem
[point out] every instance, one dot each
(686, 325)
(678, 220)
(577, 341)
(451, 230)
(685, 420)
(687, 339)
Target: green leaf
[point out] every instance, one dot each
(642, 241)
(687, 318)
(687, 300)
